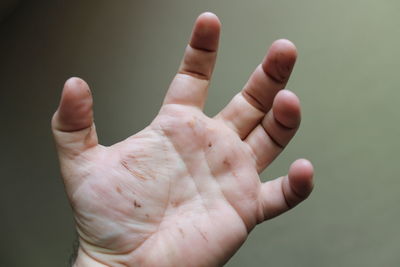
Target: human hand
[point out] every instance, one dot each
(185, 191)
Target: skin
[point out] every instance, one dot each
(184, 191)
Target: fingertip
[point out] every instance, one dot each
(75, 87)
(285, 43)
(301, 174)
(209, 19)
(286, 47)
(75, 109)
(208, 15)
(287, 109)
(303, 166)
(205, 35)
(280, 59)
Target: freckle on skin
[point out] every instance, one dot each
(118, 189)
(210, 144)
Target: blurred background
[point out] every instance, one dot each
(347, 78)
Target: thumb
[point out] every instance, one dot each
(72, 123)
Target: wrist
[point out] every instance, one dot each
(84, 260)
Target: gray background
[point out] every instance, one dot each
(128, 51)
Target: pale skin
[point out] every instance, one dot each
(184, 191)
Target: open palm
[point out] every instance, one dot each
(185, 191)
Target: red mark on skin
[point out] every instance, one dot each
(203, 235)
(174, 204)
(226, 162)
(88, 139)
(191, 123)
(132, 171)
(136, 204)
(182, 233)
